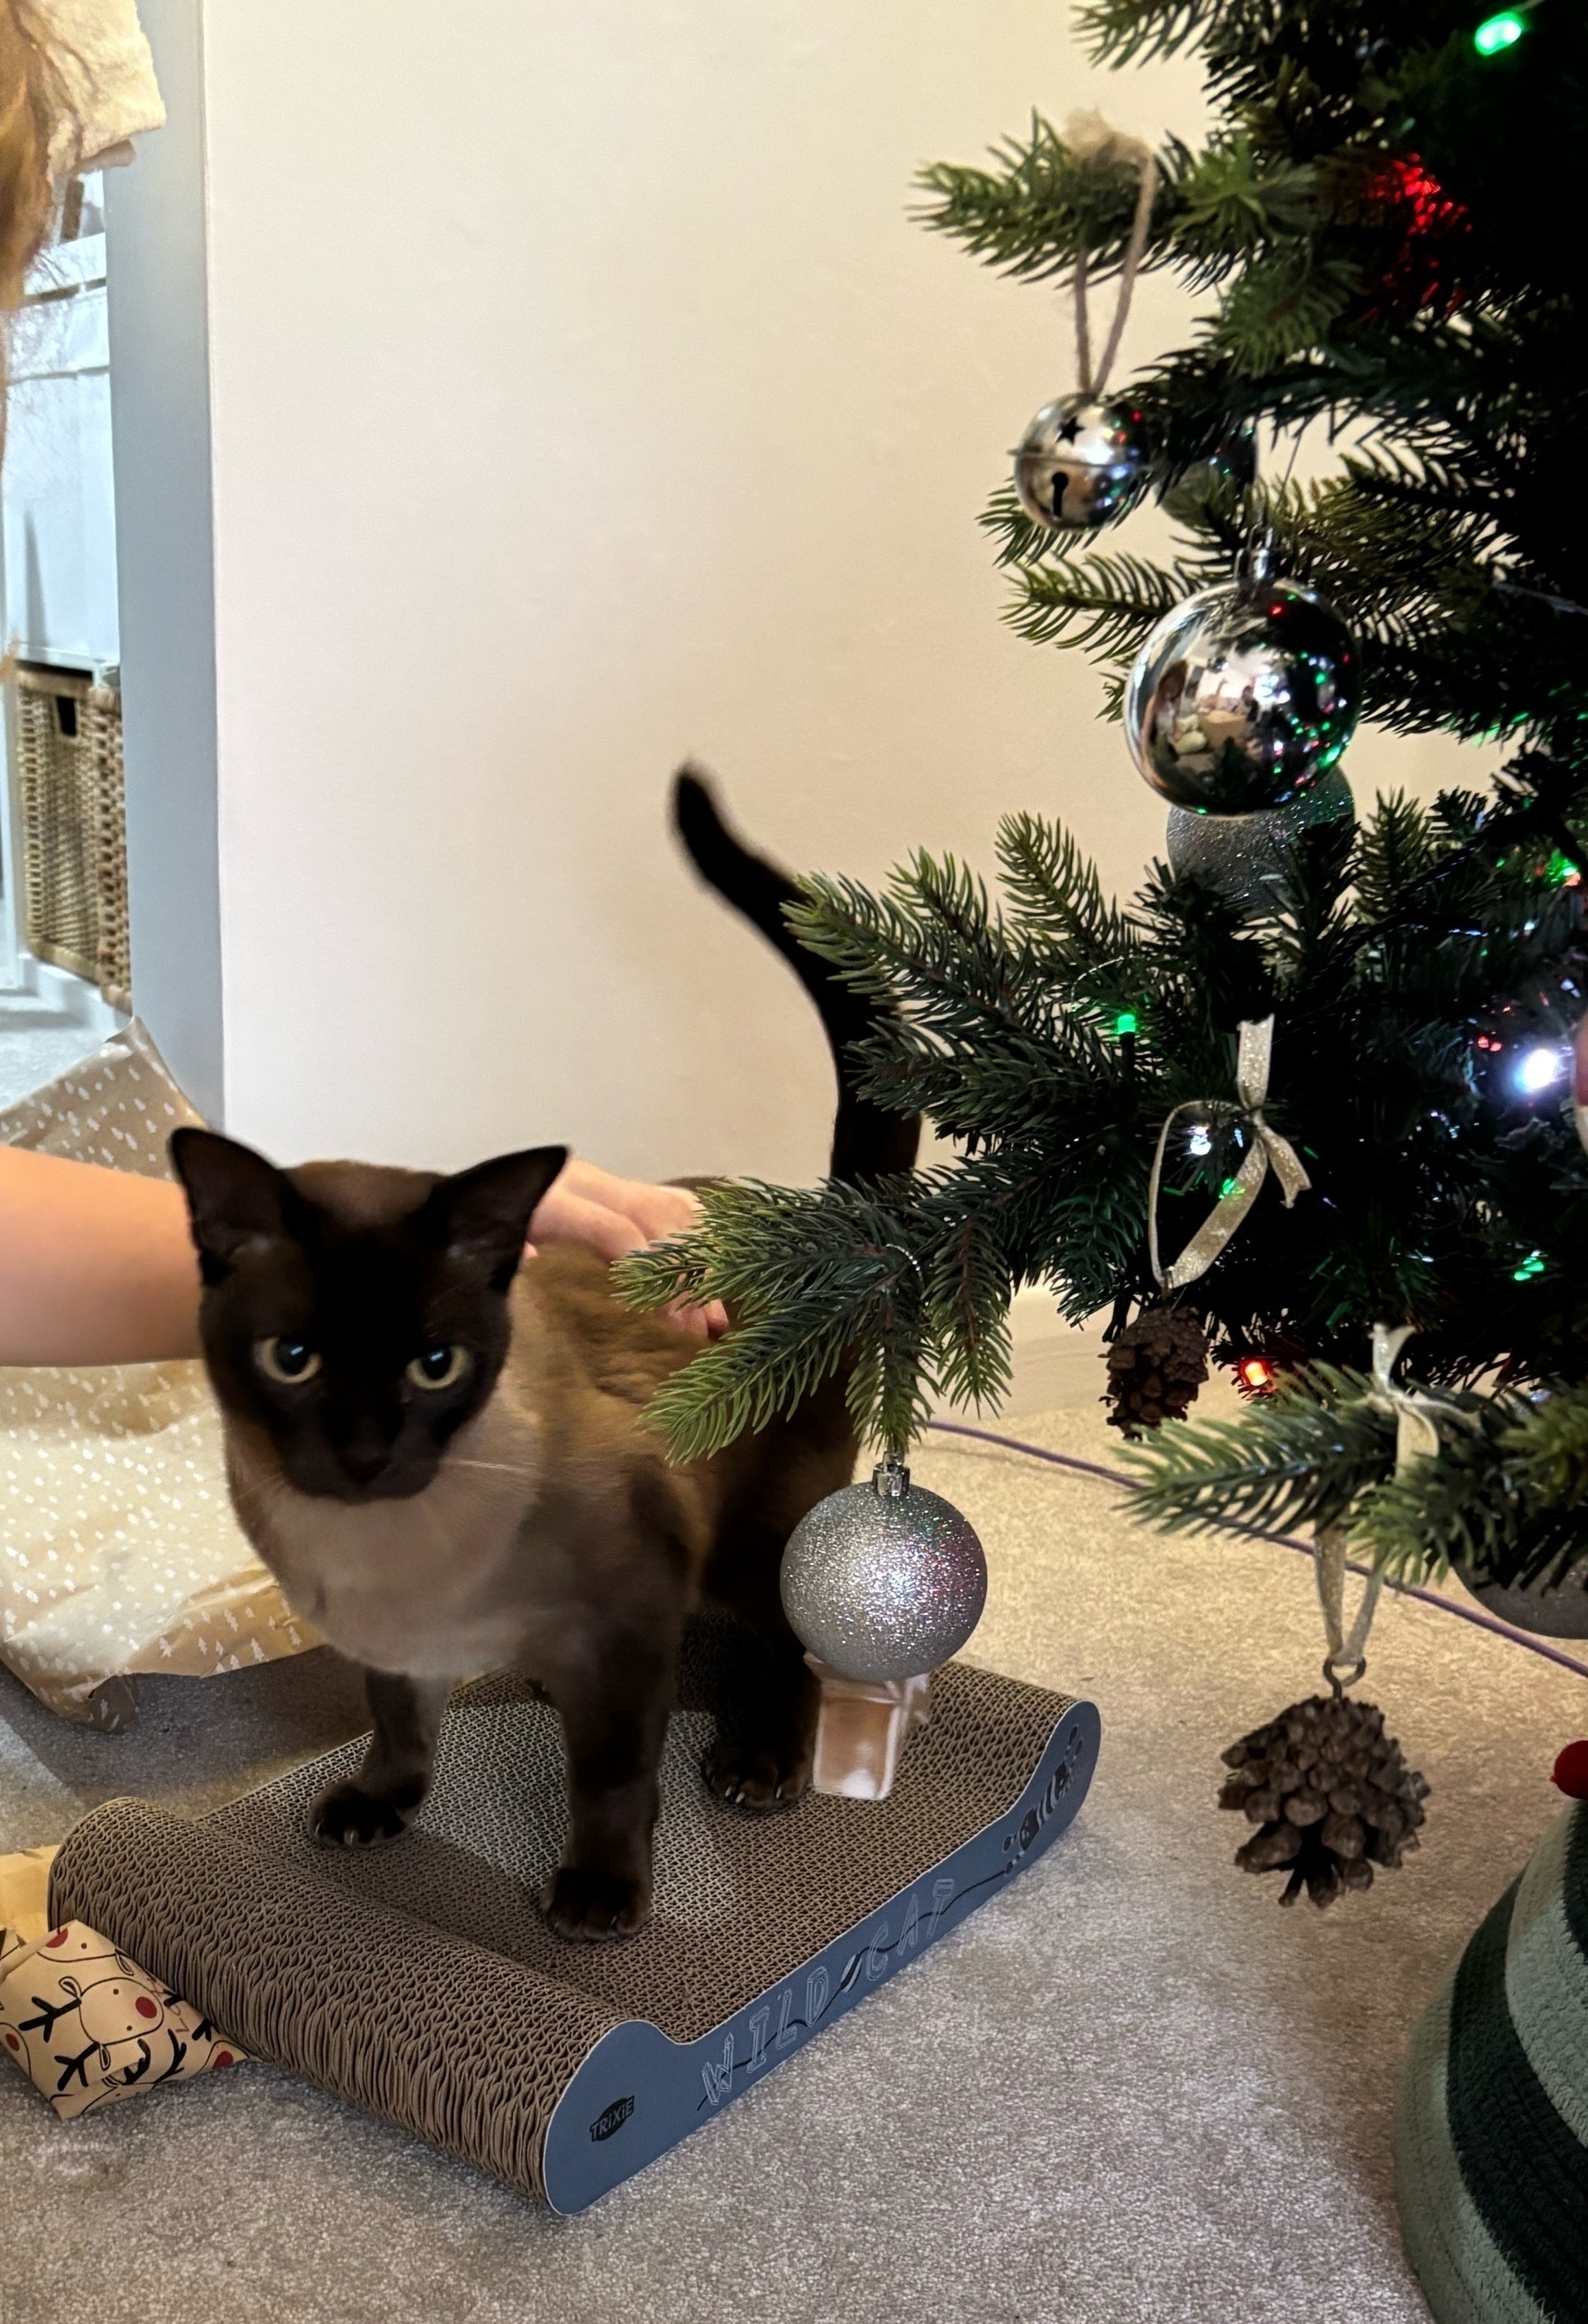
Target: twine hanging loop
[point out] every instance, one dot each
(1091, 140)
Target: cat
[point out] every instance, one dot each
(441, 1455)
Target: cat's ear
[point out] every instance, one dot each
(484, 1213)
(237, 1200)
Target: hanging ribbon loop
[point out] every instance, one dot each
(1416, 1414)
(1346, 1659)
(1269, 1150)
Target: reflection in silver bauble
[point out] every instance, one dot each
(884, 1581)
(1080, 462)
(1242, 855)
(1242, 696)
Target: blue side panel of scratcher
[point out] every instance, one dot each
(638, 2093)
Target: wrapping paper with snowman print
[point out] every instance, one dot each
(89, 2026)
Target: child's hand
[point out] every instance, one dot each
(612, 1215)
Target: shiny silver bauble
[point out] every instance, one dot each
(1242, 697)
(1080, 462)
(884, 1581)
(1561, 1612)
(1244, 856)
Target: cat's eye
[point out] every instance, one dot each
(290, 1361)
(439, 1367)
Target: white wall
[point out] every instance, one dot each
(581, 397)
(159, 286)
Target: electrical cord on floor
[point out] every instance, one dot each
(1476, 1615)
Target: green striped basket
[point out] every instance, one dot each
(1491, 2132)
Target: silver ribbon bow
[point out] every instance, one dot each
(1415, 1413)
(1268, 1150)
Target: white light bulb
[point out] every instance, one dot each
(1537, 1067)
(1200, 1140)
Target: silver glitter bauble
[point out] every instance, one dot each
(1080, 462)
(885, 1579)
(1244, 696)
(1243, 856)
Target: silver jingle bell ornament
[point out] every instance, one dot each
(1080, 462)
(884, 1581)
(1242, 696)
(1243, 856)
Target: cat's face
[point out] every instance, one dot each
(357, 1315)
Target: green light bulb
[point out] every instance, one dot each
(1125, 1022)
(1501, 32)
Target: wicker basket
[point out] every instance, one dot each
(74, 826)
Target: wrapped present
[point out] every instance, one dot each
(119, 1551)
(24, 1899)
(85, 2024)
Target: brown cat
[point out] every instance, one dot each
(442, 1459)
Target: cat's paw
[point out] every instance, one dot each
(348, 1816)
(592, 1908)
(760, 1775)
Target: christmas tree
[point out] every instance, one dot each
(1369, 225)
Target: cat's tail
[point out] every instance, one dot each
(867, 1142)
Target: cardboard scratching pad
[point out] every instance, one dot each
(419, 1982)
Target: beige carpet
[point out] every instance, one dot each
(1130, 2087)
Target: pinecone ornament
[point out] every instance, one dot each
(1331, 1793)
(1155, 1368)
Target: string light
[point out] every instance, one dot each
(1538, 1066)
(1500, 32)
(1256, 1373)
(1125, 1022)
(1531, 1266)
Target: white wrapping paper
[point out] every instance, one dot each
(119, 1551)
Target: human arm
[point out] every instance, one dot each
(98, 1266)
(611, 1215)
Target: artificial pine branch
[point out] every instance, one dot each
(1303, 1455)
(1468, 371)
(1502, 1502)
(1040, 205)
(1008, 1024)
(1123, 32)
(1365, 222)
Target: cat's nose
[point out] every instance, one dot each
(365, 1452)
(363, 1468)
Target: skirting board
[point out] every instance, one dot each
(419, 1982)
(1054, 1365)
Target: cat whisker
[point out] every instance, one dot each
(437, 1529)
(257, 1492)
